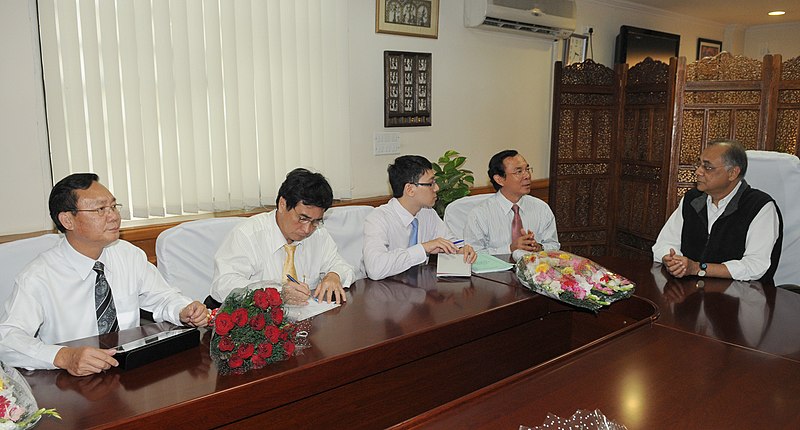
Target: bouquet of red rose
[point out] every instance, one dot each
(18, 408)
(250, 331)
(572, 279)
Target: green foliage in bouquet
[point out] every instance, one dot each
(18, 408)
(250, 331)
(454, 182)
(572, 279)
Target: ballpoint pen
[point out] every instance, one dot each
(291, 278)
(459, 242)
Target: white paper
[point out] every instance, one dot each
(298, 313)
(452, 265)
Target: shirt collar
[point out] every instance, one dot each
(725, 200)
(504, 203)
(405, 216)
(82, 264)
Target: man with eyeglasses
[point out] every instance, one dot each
(286, 247)
(400, 234)
(90, 283)
(722, 228)
(512, 219)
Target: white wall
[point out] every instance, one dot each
(781, 39)
(490, 91)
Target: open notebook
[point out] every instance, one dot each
(452, 265)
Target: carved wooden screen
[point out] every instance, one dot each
(645, 155)
(581, 161)
(787, 135)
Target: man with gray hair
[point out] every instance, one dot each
(723, 228)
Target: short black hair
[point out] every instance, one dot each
(496, 166)
(735, 156)
(306, 187)
(406, 169)
(63, 197)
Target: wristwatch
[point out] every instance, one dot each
(702, 271)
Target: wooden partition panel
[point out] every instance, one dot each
(787, 121)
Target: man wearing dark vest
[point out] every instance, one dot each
(723, 228)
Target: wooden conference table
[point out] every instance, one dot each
(414, 351)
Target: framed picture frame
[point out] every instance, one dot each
(418, 18)
(708, 48)
(575, 49)
(407, 89)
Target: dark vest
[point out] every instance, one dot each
(727, 239)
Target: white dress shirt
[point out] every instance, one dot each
(386, 233)
(488, 227)
(53, 300)
(761, 237)
(253, 251)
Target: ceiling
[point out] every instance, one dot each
(743, 12)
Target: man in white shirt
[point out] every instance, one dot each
(401, 233)
(90, 283)
(722, 228)
(286, 247)
(512, 219)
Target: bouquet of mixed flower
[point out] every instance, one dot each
(18, 409)
(250, 331)
(572, 279)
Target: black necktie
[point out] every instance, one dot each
(104, 303)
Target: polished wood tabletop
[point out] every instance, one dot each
(396, 349)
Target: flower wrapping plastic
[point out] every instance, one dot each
(572, 279)
(250, 331)
(18, 408)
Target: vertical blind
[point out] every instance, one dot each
(184, 106)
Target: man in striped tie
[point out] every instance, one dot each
(90, 283)
(401, 233)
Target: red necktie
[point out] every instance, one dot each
(516, 224)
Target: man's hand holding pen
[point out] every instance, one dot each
(295, 292)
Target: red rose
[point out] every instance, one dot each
(235, 361)
(226, 344)
(277, 315)
(289, 348)
(258, 361)
(285, 333)
(274, 297)
(272, 333)
(245, 351)
(223, 324)
(240, 317)
(265, 350)
(257, 322)
(261, 299)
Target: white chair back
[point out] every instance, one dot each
(185, 253)
(778, 175)
(345, 224)
(14, 256)
(455, 215)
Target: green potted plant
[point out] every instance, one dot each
(454, 182)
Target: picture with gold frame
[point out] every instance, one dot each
(418, 18)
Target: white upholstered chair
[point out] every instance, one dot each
(185, 253)
(14, 256)
(455, 215)
(345, 224)
(778, 174)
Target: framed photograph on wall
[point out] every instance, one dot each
(407, 89)
(408, 17)
(575, 49)
(708, 48)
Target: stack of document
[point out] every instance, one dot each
(488, 263)
(452, 265)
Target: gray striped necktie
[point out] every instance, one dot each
(104, 303)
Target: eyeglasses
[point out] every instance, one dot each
(302, 219)
(103, 210)
(705, 167)
(424, 184)
(520, 172)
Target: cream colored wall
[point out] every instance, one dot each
(781, 39)
(490, 91)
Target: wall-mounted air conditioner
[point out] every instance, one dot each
(553, 19)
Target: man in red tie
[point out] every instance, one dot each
(512, 219)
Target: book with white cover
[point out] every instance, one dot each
(452, 265)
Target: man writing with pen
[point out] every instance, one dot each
(287, 246)
(401, 233)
